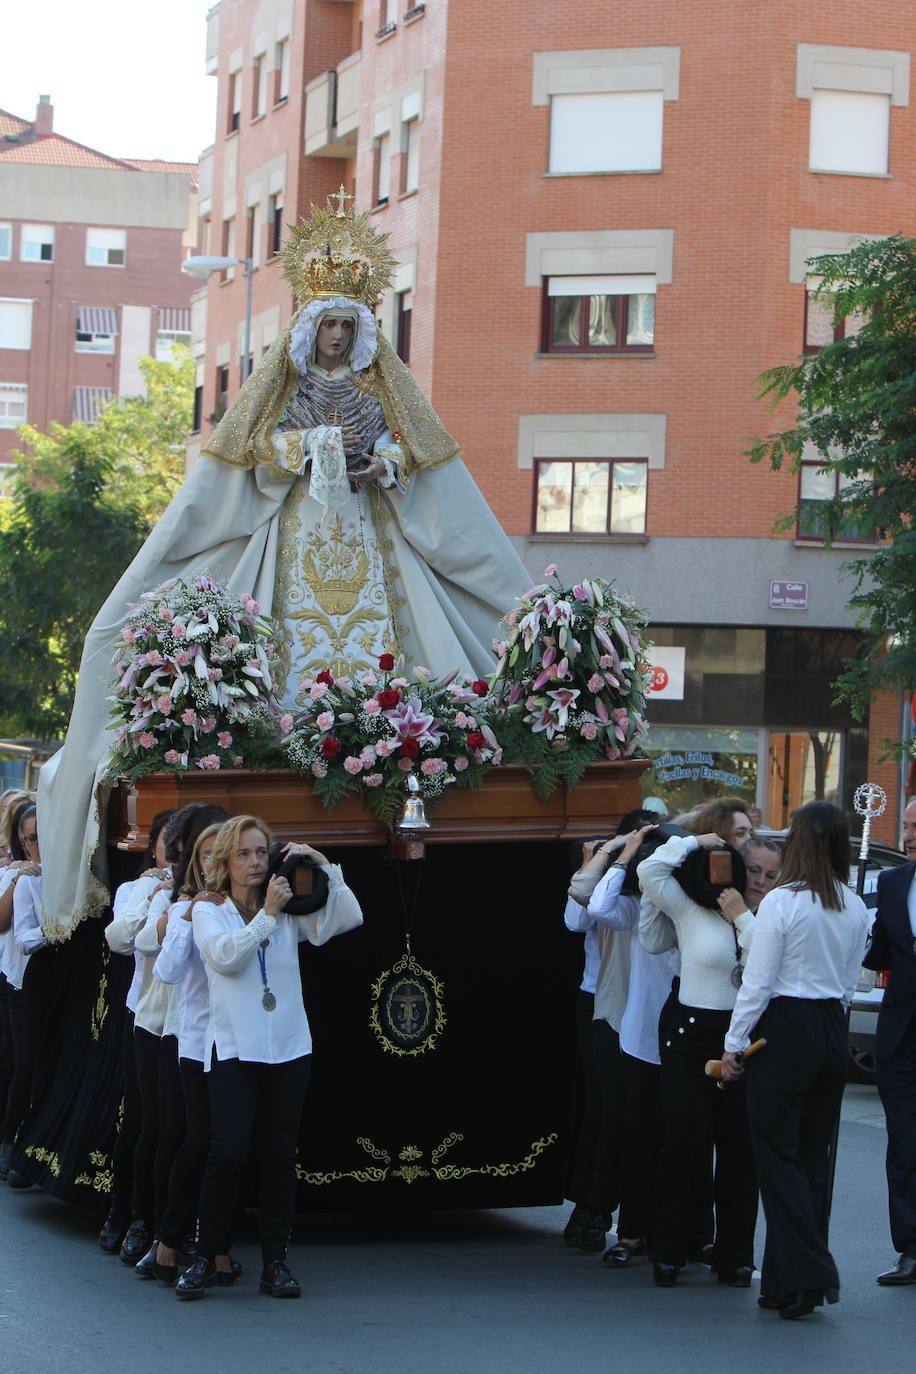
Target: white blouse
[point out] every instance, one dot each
(7, 875)
(155, 1010)
(26, 934)
(706, 941)
(180, 964)
(577, 919)
(650, 974)
(800, 950)
(240, 1027)
(118, 908)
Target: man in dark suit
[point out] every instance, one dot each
(893, 946)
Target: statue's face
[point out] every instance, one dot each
(333, 341)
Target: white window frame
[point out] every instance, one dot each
(855, 71)
(36, 236)
(383, 168)
(259, 84)
(27, 334)
(173, 336)
(107, 249)
(410, 151)
(9, 391)
(281, 67)
(8, 255)
(95, 343)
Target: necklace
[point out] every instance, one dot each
(737, 973)
(268, 999)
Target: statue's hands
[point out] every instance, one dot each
(363, 468)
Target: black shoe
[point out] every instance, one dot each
(621, 1254)
(575, 1226)
(146, 1267)
(665, 1275)
(278, 1281)
(594, 1233)
(195, 1279)
(739, 1277)
(224, 1280)
(188, 1250)
(703, 1255)
(14, 1179)
(111, 1234)
(904, 1271)
(802, 1304)
(773, 1304)
(136, 1243)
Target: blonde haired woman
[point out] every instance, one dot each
(257, 1049)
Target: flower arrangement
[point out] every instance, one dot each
(194, 685)
(571, 679)
(365, 735)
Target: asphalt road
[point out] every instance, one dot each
(448, 1293)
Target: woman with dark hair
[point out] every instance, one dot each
(257, 1052)
(120, 936)
(801, 973)
(22, 838)
(697, 1118)
(164, 1122)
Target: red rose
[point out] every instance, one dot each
(409, 748)
(330, 747)
(388, 700)
(386, 662)
(476, 740)
(481, 687)
(325, 676)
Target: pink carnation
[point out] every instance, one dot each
(605, 661)
(461, 719)
(215, 674)
(224, 739)
(372, 707)
(165, 612)
(128, 636)
(325, 720)
(208, 724)
(460, 764)
(373, 780)
(353, 765)
(286, 722)
(153, 658)
(383, 748)
(230, 641)
(405, 765)
(172, 756)
(550, 569)
(146, 740)
(399, 682)
(164, 703)
(595, 683)
(237, 760)
(319, 770)
(182, 658)
(367, 755)
(177, 630)
(189, 717)
(369, 679)
(433, 766)
(589, 730)
(209, 761)
(317, 690)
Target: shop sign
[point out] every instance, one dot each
(788, 596)
(667, 680)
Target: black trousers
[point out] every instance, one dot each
(172, 1122)
(604, 1195)
(642, 1141)
(700, 1118)
(122, 1158)
(6, 1052)
(579, 1185)
(260, 1105)
(31, 1010)
(147, 1048)
(897, 1085)
(180, 1213)
(794, 1092)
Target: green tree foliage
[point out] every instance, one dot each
(856, 407)
(78, 504)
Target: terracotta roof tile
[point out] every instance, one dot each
(56, 151)
(12, 124)
(157, 164)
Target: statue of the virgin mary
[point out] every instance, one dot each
(332, 493)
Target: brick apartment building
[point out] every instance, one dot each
(90, 272)
(602, 214)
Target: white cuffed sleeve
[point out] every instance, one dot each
(340, 913)
(228, 951)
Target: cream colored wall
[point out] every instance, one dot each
(89, 195)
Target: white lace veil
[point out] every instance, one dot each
(304, 331)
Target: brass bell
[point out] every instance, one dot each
(413, 817)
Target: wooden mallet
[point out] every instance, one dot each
(714, 1066)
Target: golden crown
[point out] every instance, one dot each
(336, 252)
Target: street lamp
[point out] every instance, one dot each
(202, 266)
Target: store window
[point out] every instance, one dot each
(598, 496)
